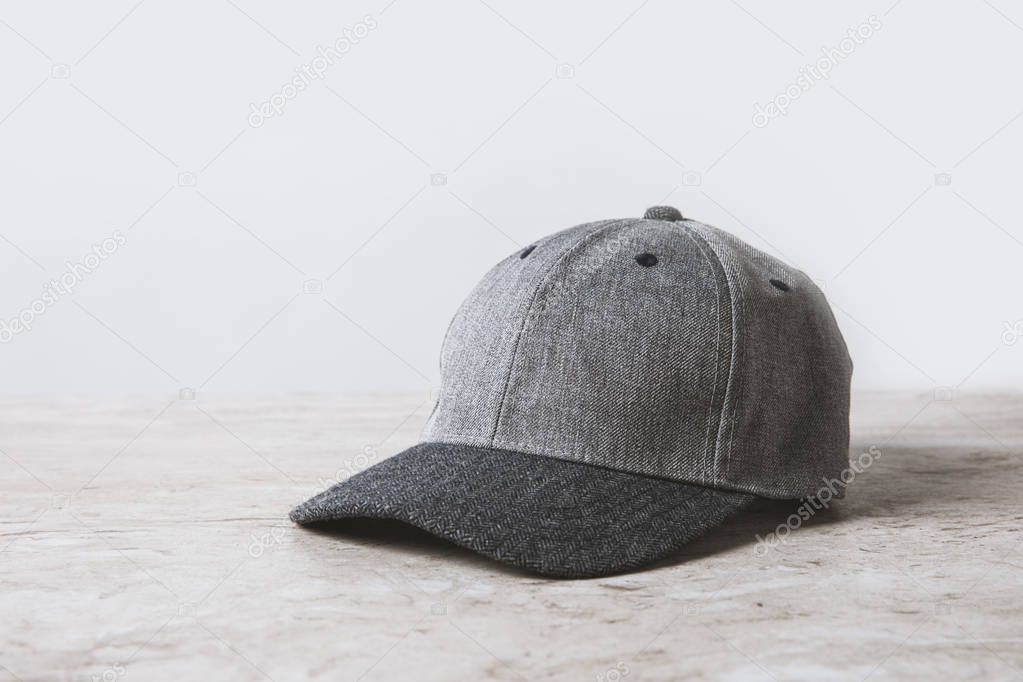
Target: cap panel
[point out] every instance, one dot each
(481, 339)
(623, 365)
(786, 418)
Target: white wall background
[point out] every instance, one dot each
(895, 182)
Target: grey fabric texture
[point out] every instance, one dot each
(698, 369)
(546, 515)
(480, 343)
(785, 427)
(597, 410)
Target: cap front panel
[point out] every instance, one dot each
(482, 337)
(624, 357)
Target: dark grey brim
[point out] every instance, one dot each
(545, 515)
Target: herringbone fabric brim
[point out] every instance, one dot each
(549, 516)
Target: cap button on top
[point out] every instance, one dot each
(668, 213)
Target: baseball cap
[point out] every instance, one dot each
(613, 391)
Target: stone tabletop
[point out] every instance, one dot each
(146, 538)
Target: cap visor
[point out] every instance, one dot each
(549, 516)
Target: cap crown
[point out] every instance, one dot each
(711, 363)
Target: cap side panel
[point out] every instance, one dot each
(788, 410)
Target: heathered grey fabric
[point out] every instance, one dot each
(546, 515)
(480, 342)
(619, 365)
(599, 407)
(786, 420)
(697, 369)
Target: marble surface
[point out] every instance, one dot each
(145, 538)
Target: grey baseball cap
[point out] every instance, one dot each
(613, 391)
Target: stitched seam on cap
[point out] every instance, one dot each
(447, 333)
(732, 360)
(605, 225)
(702, 246)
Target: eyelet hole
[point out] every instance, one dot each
(528, 250)
(647, 260)
(779, 285)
